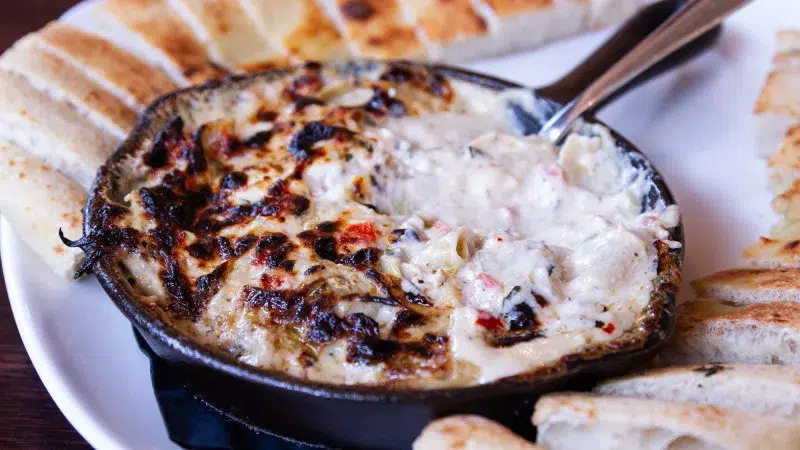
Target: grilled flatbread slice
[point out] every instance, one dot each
(788, 52)
(376, 28)
(748, 286)
(788, 202)
(778, 105)
(475, 29)
(787, 228)
(130, 79)
(51, 130)
(765, 389)
(586, 421)
(178, 50)
(469, 433)
(37, 200)
(522, 24)
(52, 75)
(785, 163)
(462, 36)
(777, 109)
(761, 333)
(299, 28)
(774, 252)
(230, 35)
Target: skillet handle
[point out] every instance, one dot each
(626, 38)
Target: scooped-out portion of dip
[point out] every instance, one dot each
(388, 225)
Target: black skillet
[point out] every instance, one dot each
(374, 417)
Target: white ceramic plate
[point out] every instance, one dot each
(693, 123)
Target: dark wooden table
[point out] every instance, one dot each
(28, 417)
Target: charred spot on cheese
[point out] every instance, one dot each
(431, 82)
(325, 248)
(258, 140)
(233, 180)
(382, 103)
(301, 144)
(407, 318)
(266, 115)
(313, 269)
(165, 142)
(195, 153)
(172, 204)
(397, 73)
(371, 351)
(361, 258)
(272, 250)
(303, 89)
(182, 303)
(327, 227)
(417, 299)
(363, 326)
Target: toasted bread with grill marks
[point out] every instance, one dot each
(60, 80)
(37, 201)
(300, 29)
(748, 286)
(178, 49)
(229, 34)
(51, 130)
(376, 28)
(765, 389)
(582, 421)
(714, 331)
(135, 82)
(469, 432)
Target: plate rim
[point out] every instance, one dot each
(52, 375)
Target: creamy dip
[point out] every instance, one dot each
(423, 244)
(512, 218)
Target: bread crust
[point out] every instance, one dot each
(780, 94)
(158, 24)
(749, 285)
(301, 29)
(769, 252)
(463, 20)
(378, 29)
(53, 131)
(709, 424)
(781, 314)
(514, 7)
(56, 77)
(473, 432)
(229, 34)
(37, 201)
(134, 81)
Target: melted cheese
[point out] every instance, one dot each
(493, 222)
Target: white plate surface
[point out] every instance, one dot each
(694, 124)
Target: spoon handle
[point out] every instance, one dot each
(691, 21)
(629, 34)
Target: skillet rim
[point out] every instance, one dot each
(660, 325)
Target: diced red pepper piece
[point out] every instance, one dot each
(489, 282)
(609, 328)
(441, 228)
(488, 321)
(358, 233)
(271, 282)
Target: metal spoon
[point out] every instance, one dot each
(685, 25)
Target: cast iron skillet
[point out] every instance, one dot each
(364, 416)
